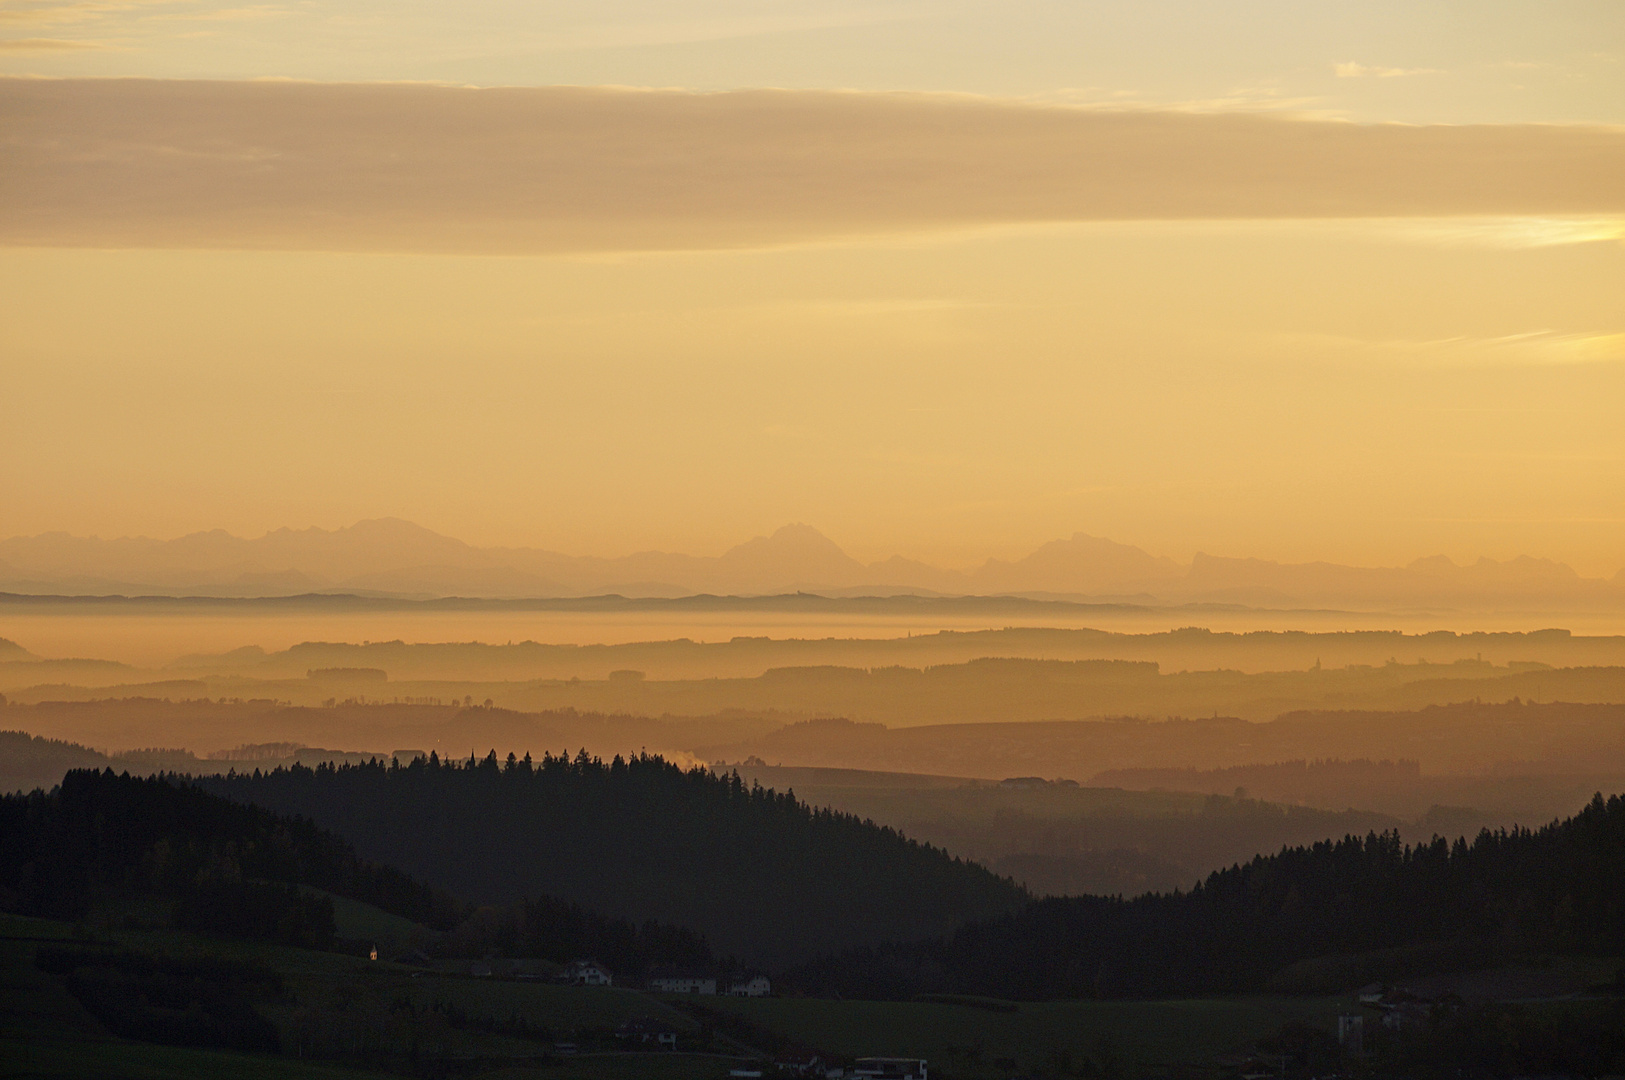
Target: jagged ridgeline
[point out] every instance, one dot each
(761, 874)
(1322, 918)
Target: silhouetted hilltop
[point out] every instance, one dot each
(1297, 779)
(28, 761)
(1190, 649)
(102, 838)
(1552, 737)
(160, 846)
(1052, 837)
(1080, 564)
(759, 873)
(987, 690)
(1558, 889)
(1530, 761)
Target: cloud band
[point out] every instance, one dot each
(394, 167)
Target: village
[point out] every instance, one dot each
(1387, 1008)
(651, 1034)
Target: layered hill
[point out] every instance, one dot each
(1261, 925)
(217, 866)
(1515, 760)
(761, 874)
(103, 846)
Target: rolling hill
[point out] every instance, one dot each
(760, 874)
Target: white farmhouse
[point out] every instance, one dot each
(754, 986)
(682, 982)
(589, 973)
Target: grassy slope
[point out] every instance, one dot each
(970, 1042)
(137, 1061)
(45, 1033)
(362, 921)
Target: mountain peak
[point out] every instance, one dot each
(1081, 563)
(794, 556)
(796, 537)
(381, 527)
(391, 554)
(800, 533)
(392, 526)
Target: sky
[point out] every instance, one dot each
(1417, 61)
(1295, 280)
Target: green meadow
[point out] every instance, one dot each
(341, 1015)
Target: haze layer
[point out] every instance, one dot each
(971, 278)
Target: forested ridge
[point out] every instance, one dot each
(565, 835)
(762, 875)
(1560, 888)
(101, 838)
(121, 844)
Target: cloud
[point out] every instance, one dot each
(619, 29)
(237, 14)
(1352, 70)
(85, 10)
(1522, 232)
(45, 45)
(413, 167)
(1240, 99)
(1534, 348)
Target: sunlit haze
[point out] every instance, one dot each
(856, 539)
(1169, 273)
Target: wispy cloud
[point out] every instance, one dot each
(1352, 70)
(1535, 348)
(236, 14)
(434, 168)
(764, 20)
(50, 13)
(1240, 99)
(1522, 232)
(38, 44)
(548, 31)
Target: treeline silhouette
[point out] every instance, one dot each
(1466, 737)
(1560, 888)
(111, 842)
(760, 874)
(1298, 781)
(1187, 649)
(551, 929)
(1511, 792)
(102, 839)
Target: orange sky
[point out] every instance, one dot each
(941, 325)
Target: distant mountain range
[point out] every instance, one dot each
(390, 557)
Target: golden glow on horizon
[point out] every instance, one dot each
(1363, 392)
(907, 297)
